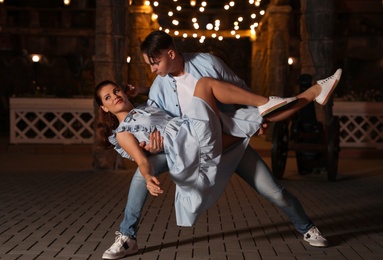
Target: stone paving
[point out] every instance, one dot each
(54, 207)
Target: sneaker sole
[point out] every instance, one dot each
(279, 108)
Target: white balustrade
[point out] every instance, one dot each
(361, 123)
(51, 120)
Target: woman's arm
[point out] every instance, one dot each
(129, 143)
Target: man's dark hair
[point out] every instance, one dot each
(155, 42)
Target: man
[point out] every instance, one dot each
(172, 90)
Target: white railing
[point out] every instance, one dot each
(361, 123)
(51, 120)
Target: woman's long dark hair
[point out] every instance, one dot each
(106, 121)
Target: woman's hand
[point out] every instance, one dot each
(155, 144)
(153, 186)
(131, 91)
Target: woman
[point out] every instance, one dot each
(192, 144)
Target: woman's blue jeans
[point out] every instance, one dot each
(252, 169)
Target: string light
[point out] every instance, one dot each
(204, 17)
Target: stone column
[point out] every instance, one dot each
(110, 62)
(317, 44)
(270, 51)
(278, 49)
(141, 24)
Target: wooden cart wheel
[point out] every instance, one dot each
(279, 148)
(333, 150)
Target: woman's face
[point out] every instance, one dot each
(114, 100)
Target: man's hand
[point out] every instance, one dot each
(155, 144)
(262, 130)
(153, 186)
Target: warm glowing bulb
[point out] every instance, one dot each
(209, 26)
(36, 58)
(128, 59)
(147, 2)
(179, 8)
(170, 13)
(201, 9)
(203, 4)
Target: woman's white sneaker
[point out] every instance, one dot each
(315, 238)
(328, 86)
(273, 104)
(122, 246)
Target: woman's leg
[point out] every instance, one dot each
(303, 99)
(210, 89)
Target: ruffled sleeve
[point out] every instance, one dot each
(135, 123)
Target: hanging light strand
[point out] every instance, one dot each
(206, 21)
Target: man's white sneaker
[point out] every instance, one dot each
(123, 246)
(273, 104)
(315, 238)
(328, 85)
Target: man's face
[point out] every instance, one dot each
(160, 65)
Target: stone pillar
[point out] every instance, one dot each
(141, 24)
(278, 49)
(270, 51)
(317, 44)
(110, 62)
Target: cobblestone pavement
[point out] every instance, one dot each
(54, 207)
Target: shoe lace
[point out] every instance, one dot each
(117, 242)
(327, 79)
(315, 231)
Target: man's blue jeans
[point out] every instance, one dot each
(252, 169)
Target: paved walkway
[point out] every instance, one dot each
(54, 207)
